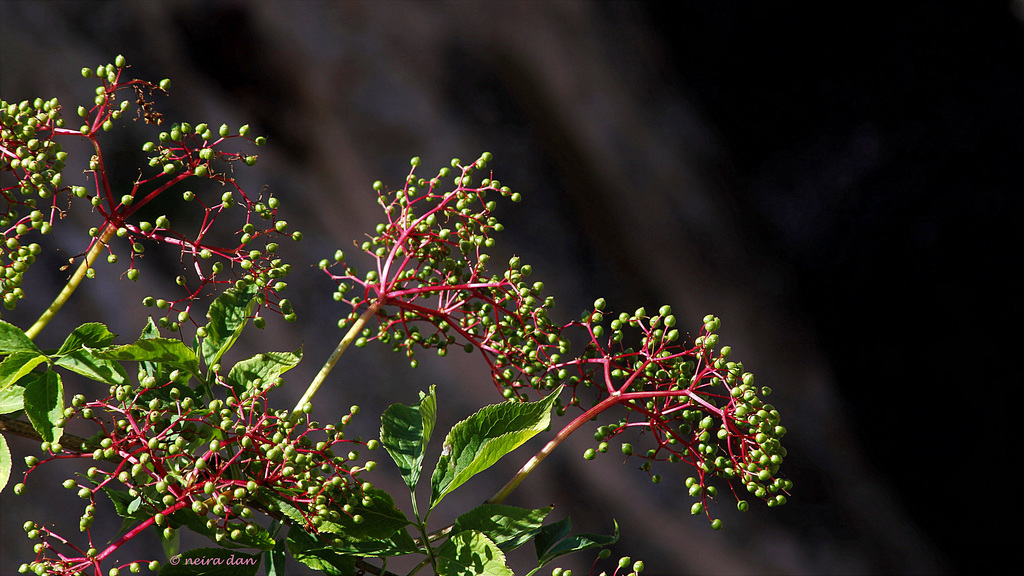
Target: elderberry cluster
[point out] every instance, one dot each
(182, 155)
(697, 406)
(431, 271)
(29, 153)
(168, 459)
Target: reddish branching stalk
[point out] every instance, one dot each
(202, 466)
(183, 155)
(431, 272)
(686, 397)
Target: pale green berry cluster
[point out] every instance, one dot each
(431, 269)
(698, 406)
(187, 150)
(29, 152)
(174, 460)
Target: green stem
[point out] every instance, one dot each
(73, 283)
(421, 524)
(550, 447)
(349, 337)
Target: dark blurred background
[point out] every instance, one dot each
(841, 184)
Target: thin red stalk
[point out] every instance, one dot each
(135, 531)
(158, 191)
(551, 445)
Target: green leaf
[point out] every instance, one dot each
(552, 543)
(266, 366)
(319, 555)
(405, 431)
(13, 339)
(122, 500)
(471, 553)
(379, 534)
(283, 506)
(86, 362)
(507, 526)
(89, 335)
(479, 441)
(161, 350)
(399, 544)
(44, 404)
(550, 534)
(5, 462)
(17, 365)
(211, 562)
(150, 330)
(229, 313)
(12, 399)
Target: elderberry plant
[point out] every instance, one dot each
(192, 444)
